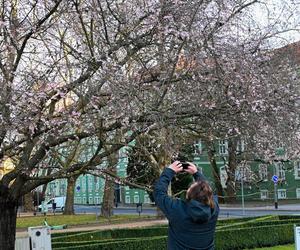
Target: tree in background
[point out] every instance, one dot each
(144, 161)
(142, 167)
(72, 70)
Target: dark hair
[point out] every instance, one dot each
(202, 192)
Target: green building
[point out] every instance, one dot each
(253, 177)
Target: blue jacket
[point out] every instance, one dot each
(191, 223)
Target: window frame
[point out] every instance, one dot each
(266, 194)
(297, 192)
(127, 199)
(279, 170)
(263, 175)
(297, 170)
(223, 147)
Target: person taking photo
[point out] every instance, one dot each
(192, 222)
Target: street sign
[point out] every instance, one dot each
(275, 178)
(78, 188)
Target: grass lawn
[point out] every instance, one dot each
(82, 219)
(285, 247)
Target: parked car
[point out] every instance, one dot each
(58, 203)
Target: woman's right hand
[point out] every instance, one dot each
(192, 169)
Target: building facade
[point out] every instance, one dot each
(254, 178)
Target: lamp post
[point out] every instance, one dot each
(243, 200)
(241, 175)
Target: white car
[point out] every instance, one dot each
(60, 204)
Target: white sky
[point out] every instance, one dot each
(282, 15)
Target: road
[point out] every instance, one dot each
(224, 212)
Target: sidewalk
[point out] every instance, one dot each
(281, 207)
(84, 228)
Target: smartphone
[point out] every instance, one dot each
(185, 165)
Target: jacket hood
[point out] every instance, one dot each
(198, 211)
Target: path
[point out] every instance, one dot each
(93, 227)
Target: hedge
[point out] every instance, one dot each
(152, 243)
(252, 237)
(245, 219)
(106, 233)
(251, 233)
(260, 223)
(83, 243)
(114, 234)
(232, 239)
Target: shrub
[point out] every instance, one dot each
(251, 233)
(152, 243)
(114, 234)
(260, 223)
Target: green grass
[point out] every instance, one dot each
(285, 247)
(85, 219)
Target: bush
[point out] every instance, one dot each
(152, 243)
(260, 223)
(113, 234)
(244, 219)
(251, 233)
(242, 238)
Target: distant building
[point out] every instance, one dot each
(256, 177)
(6, 165)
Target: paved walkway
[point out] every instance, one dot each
(281, 207)
(23, 233)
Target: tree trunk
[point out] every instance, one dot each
(232, 163)
(215, 170)
(109, 188)
(44, 189)
(69, 206)
(28, 202)
(108, 198)
(8, 217)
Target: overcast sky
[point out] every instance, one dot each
(282, 15)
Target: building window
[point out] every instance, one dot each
(198, 147)
(122, 153)
(279, 170)
(91, 200)
(97, 200)
(240, 147)
(280, 145)
(84, 200)
(97, 186)
(297, 170)
(90, 187)
(263, 172)
(298, 193)
(83, 185)
(223, 176)
(223, 147)
(281, 193)
(127, 199)
(244, 173)
(90, 184)
(264, 194)
(78, 200)
(136, 199)
(147, 199)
